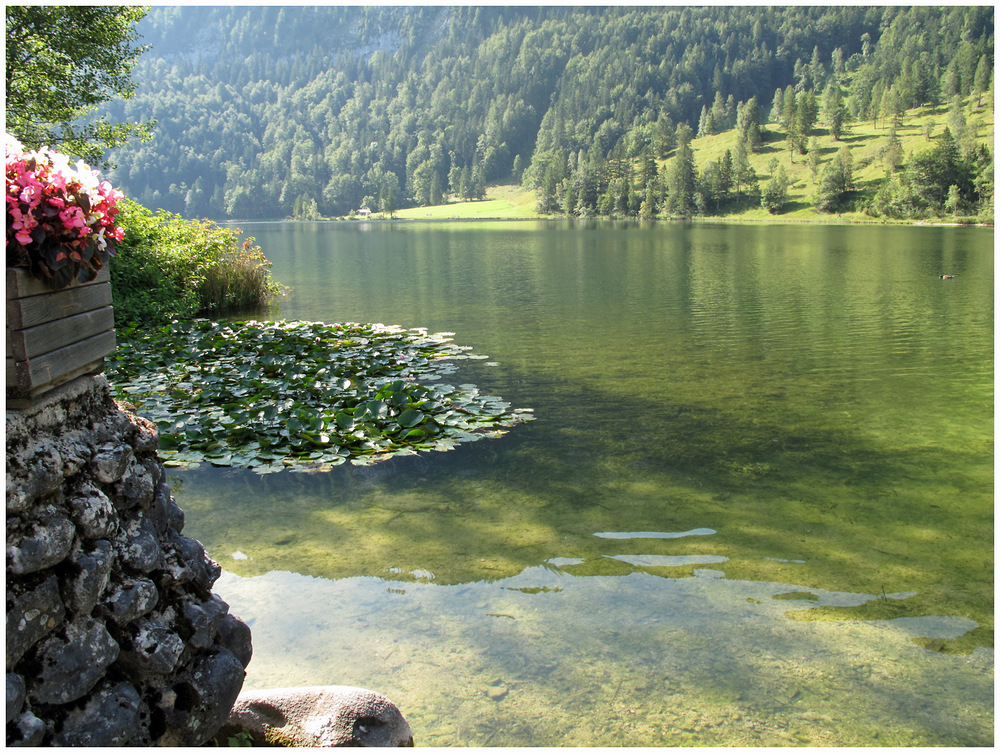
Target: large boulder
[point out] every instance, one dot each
(324, 716)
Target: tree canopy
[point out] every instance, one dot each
(269, 112)
(64, 61)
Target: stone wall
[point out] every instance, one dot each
(113, 634)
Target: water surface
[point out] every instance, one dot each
(756, 506)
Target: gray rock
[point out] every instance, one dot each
(140, 432)
(93, 512)
(15, 695)
(153, 649)
(131, 600)
(189, 563)
(110, 717)
(325, 716)
(175, 517)
(135, 488)
(46, 545)
(113, 636)
(202, 620)
(234, 634)
(41, 476)
(72, 664)
(75, 453)
(141, 549)
(28, 731)
(111, 461)
(82, 590)
(202, 700)
(159, 511)
(30, 617)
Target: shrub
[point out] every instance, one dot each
(172, 268)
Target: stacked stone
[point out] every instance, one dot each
(113, 634)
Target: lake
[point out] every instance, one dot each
(755, 507)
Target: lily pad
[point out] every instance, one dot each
(300, 395)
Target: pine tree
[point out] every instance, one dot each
(981, 82)
(814, 159)
(834, 111)
(748, 123)
(806, 112)
(832, 186)
(682, 176)
(777, 106)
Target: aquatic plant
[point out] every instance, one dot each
(300, 395)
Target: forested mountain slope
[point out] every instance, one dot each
(267, 112)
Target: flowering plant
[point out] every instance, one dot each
(60, 218)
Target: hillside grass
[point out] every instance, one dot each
(865, 140)
(506, 202)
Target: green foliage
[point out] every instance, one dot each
(242, 739)
(63, 61)
(252, 127)
(168, 267)
(937, 181)
(300, 395)
(775, 193)
(836, 183)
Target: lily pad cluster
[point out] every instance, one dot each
(303, 396)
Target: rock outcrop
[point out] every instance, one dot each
(113, 634)
(323, 717)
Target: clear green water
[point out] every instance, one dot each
(756, 506)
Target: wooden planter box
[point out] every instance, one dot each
(54, 336)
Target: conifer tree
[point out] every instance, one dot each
(981, 82)
(834, 110)
(777, 106)
(682, 176)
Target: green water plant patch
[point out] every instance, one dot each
(304, 396)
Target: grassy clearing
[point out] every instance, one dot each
(501, 203)
(865, 141)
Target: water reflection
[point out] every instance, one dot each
(547, 657)
(654, 534)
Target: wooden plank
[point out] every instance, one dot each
(57, 366)
(23, 313)
(18, 400)
(21, 283)
(35, 341)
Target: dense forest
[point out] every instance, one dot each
(269, 112)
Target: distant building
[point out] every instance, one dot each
(364, 212)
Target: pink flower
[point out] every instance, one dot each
(72, 217)
(44, 190)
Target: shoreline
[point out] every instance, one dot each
(840, 221)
